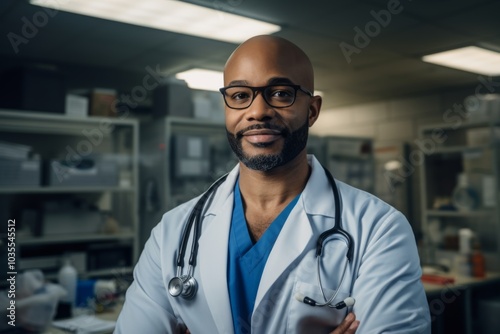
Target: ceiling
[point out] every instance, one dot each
(388, 66)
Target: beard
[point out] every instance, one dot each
(294, 143)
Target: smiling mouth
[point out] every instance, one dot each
(262, 136)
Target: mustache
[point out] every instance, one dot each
(282, 130)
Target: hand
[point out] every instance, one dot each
(348, 326)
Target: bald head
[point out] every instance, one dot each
(262, 58)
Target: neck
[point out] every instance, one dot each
(271, 189)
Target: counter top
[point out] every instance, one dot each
(461, 281)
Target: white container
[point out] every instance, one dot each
(68, 277)
(465, 240)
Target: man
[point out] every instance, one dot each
(256, 267)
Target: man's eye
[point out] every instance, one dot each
(240, 96)
(281, 93)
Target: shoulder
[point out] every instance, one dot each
(173, 221)
(368, 211)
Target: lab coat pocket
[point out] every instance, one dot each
(304, 318)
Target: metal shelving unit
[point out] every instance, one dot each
(453, 153)
(52, 137)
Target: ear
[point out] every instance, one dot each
(314, 108)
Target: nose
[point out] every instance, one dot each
(259, 110)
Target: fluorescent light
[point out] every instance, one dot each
(471, 59)
(169, 15)
(198, 78)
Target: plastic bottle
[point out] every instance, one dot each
(68, 278)
(478, 262)
(464, 265)
(465, 240)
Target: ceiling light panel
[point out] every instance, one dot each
(198, 78)
(169, 15)
(471, 59)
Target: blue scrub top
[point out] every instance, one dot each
(246, 261)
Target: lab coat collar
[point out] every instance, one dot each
(317, 184)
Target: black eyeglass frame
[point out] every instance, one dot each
(261, 89)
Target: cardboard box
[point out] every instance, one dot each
(103, 103)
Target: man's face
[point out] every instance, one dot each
(265, 137)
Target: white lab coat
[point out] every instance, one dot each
(384, 276)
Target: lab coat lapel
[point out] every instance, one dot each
(293, 238)
(298, 229)
(213, 244)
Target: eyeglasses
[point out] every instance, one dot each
(277, 96)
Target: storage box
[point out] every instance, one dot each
(20, 173)
(90, 173)
(103, 102)
(33, 88)
(77, 106)
(71, 221)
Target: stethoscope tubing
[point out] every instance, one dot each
(196, 220)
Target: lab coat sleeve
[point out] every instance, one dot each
(389, 294)
(146, 308)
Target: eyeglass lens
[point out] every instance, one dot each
(275, 96)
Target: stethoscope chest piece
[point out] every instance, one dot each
(184, 286)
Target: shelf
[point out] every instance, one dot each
(73, 238)
(459, 149)
(62, 190)
(464, 125)
(116, 272)
(446, 213)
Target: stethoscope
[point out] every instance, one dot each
(186, 285)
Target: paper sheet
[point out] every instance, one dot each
(85, 324)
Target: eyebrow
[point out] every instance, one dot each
(279, 80)
(272, 81)
(238, 83)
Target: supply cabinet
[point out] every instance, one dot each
(71, 185)
(460, 164)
